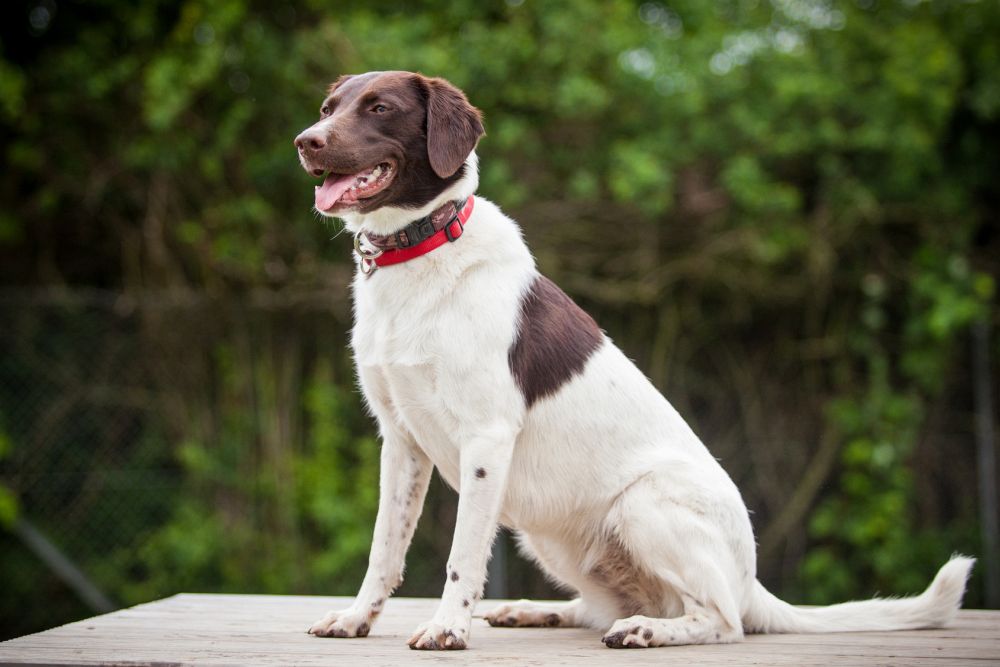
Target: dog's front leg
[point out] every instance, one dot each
(403, 478)
(485, 460)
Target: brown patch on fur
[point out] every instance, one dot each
(555, 338)
(454, 576)
(453, 126)
(480, 473)
(636, 591)
(336, 84)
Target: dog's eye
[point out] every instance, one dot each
(325, 111)
(379, 108)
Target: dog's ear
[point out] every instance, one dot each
(453, 126)
(343, 78)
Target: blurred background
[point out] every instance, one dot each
(785, 211)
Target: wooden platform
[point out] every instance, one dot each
(262, 630)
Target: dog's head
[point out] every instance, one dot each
(388, 139)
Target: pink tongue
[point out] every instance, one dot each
(333, 187)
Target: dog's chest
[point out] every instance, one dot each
(410, 348)
(431, 340)
(412, 394)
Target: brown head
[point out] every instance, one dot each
(388, 139)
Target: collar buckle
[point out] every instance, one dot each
(416, 232)
(452, 235)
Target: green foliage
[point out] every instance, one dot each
(872, 512)
(8, 501)
(250, 518)
(341, 505)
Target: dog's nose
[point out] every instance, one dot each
(310, 139)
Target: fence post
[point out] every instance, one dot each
(63, 567)
(496, 583)
(986, 459)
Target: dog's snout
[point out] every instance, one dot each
(310, 139)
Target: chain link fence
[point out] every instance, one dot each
(99, 395)
(178, 441)
(80, 455)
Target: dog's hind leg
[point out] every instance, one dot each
(528, 614)
(694, 544)
(698, 625)
(593, 607)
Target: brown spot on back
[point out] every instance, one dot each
(480, 473)
(554, 340)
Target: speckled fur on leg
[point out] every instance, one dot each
(698, 625)
(528, 614)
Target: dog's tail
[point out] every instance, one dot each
(934, 608)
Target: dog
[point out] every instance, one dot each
(474, 363)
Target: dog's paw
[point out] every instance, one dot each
(346, 623)
(523, 614)
(633, 632)
(434, 636)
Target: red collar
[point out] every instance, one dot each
(373, 256)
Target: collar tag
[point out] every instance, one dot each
(366, 252)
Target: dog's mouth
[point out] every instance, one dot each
(340, 191)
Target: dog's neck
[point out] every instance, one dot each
(390, 219)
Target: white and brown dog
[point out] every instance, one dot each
(475, 363)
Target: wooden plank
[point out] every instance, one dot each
(259, 629)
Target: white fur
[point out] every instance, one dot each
(604, 460)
